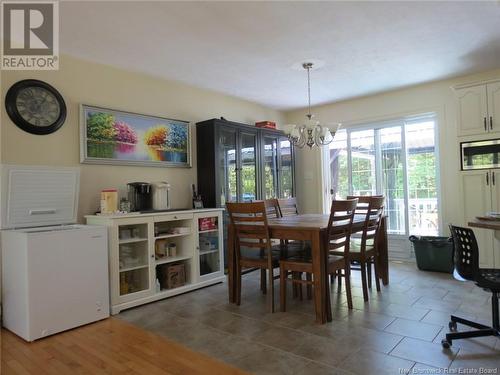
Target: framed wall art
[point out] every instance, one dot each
(115, 137)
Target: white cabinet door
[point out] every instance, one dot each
(477, 200)
(472, 108)
(493, 90)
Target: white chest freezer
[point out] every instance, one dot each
(54, 274)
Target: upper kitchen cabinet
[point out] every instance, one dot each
(240, 163)
(478, 109)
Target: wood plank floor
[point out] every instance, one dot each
(111, 346)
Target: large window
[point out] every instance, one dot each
(397, 159)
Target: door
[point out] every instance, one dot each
(493, 90)
(477, 201)
(270, 167)
(209, 240)
(285, 168)
(227, 165)
(247, 169)
(472, 110)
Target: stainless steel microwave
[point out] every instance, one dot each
(480, 154)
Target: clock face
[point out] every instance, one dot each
(35, 106)
(38, 106)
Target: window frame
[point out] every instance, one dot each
(402, 122)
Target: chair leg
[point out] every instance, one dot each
(309, 286)
(283, 281)
(495, 316)
(298, 276)
(332, 278)
(465, 322)
(369, 273)
(363, 281)
(238, 285)
(347, 272)
(271, 289)
(263, 282)
(377, 273)
(295, 290)
(339, 279)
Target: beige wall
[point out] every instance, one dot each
(437, 97)
(105, 86)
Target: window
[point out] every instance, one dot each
(397, 159)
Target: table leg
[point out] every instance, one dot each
(383, 252)
(319, 276)
(231, 264)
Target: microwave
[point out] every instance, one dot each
(480, 154)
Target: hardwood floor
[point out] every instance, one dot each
(111, 346)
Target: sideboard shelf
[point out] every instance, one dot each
(134, 267)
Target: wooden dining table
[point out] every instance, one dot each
(313, 228)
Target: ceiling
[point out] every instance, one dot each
(251, 49)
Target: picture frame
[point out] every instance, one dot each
(109, 136)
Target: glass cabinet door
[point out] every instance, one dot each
(286, 168)
(248, 167)
(270, 164)
(227, 166)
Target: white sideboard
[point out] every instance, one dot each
(138, 265)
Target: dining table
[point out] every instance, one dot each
(313, 228)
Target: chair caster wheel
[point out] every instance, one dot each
(452, 326)
(446, 344)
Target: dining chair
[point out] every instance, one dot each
(337, 237)
(288, 206)
(252, 244)
(363, 244)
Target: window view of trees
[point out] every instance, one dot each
(375, 163)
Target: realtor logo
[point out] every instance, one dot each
(30, 35)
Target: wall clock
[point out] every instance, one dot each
(35, 106)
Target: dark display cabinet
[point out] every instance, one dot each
(239, 163)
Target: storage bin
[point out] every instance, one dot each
(433, 253)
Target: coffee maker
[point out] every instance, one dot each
(140, 196)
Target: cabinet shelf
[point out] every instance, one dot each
(209, 231)
(163, 236)
(173, 259)
(132, 240)
(127, 269)
(205, 252)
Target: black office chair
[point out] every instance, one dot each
(466, 259)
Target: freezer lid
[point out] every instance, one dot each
(34, 196)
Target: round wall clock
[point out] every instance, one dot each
(35, 106)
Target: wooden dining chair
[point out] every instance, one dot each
(252, 244)
(363, 244)
(288, 206)
(337, 238)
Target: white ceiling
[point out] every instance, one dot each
(248, 49)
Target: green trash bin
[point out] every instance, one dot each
(433, 253)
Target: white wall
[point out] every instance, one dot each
(437, 97)
(84, 82)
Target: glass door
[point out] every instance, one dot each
(227, 166)
(248, 167)
(208, 246)
(286, 171)
(270, 179)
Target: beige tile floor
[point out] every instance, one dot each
(399, 330)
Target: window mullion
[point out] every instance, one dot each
(378, 164)
(349, 161)
(405, 178)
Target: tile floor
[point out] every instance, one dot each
(399, 330)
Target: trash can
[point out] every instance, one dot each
(433, 253)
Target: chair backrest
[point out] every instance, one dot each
(340, 224)
(372, 207)
(288, 207)
(466, 252)
(272, 208)
(249, 221)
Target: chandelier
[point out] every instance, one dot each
(311, 133)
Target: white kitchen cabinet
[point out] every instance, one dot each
(481, 194)
(478, 109)
(135, 266)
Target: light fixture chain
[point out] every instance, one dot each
(309, 89)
